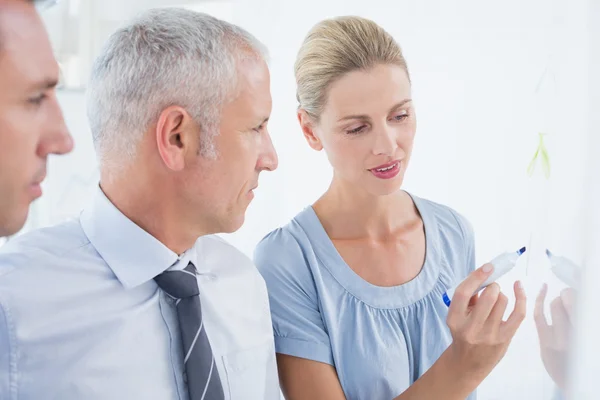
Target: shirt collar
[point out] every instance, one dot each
(133, 254)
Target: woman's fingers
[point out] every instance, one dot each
(509, 328)
(485, 304)
(462, 300)
(560, 323)
(496, 316)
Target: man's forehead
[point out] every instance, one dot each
(25, 48)
(22, 26)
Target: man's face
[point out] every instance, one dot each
(31, 123)
(223, 187)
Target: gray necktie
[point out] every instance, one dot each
(202, 373)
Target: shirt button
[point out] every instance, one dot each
(185, 378)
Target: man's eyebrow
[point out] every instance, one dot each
(264, 121)
(46, 84)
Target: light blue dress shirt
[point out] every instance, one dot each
(379, 339)
(82, 318)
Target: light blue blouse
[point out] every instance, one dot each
(379, 339)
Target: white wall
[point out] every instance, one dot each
(475, 67)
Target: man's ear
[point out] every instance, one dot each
(307, 124)
(173, 137)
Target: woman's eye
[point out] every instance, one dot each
(356, 130)
(401, 117)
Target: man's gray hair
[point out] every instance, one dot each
(165, 57)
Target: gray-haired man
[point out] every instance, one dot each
(125, 302)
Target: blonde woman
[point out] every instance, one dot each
(356, 280)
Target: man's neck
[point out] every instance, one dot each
(148, 208)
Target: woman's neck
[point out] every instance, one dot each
(348, 212)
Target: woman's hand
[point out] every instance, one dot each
(481, 336)
(555, 338)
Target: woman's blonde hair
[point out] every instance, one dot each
(335, 47)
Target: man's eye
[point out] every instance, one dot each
(38, 99)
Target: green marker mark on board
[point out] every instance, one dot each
(542, 154)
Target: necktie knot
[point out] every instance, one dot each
(179, 284)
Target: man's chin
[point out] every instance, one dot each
(235, 224)
(13, 223)
(231, 224)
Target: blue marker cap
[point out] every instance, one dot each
(522, 250)
(446, 299)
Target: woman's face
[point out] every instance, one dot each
(367, 128)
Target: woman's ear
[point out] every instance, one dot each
(307, 124)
